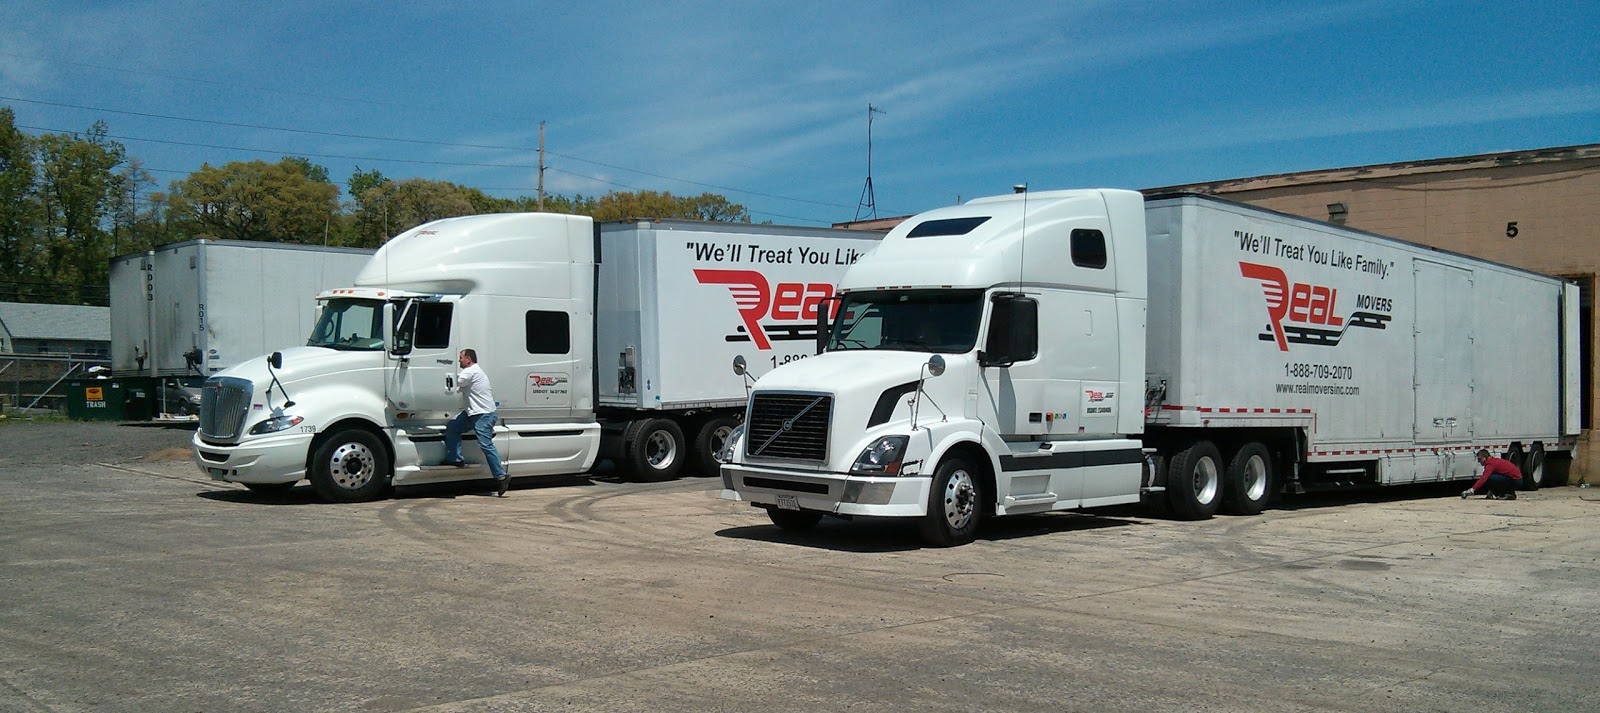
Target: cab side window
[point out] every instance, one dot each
(548, 332)
(433, 325)
(1088, 248)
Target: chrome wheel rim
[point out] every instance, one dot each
(1537, 474)
(1255, 478)
(660, 450)
(352, 466)
(719, 441)
(1205, 480)
(960, 499)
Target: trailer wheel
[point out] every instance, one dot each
(350, 466)
(1533, 471)
(655, 451)
(1516, 456)
(953, 505)
(1248, 482)
(1194, 481)
(794, 520)
(709, 440)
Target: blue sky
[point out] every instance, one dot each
(768, 104)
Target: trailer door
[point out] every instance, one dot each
(1444, 353)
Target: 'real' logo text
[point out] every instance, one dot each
(1303, 313)
(789, 307)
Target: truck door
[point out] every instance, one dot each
(1444, 354)
(418, 383)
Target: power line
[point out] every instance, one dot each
(333, 134)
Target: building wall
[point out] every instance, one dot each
(1467, 205)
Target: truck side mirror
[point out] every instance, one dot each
(405, 324)
(739, 365)
(1013, 331)
(275, 360)
(825, 307)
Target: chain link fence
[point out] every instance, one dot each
(37, 383)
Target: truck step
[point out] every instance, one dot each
(1019, 503)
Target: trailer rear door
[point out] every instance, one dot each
(1444, 353)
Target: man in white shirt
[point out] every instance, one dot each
(479, 414)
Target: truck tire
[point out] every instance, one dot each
(1248, 482)
(794, 520)
(1194, 481)
(350, 466)
(654, 451)
(1533, 468)
(709, 440)
(954, 505)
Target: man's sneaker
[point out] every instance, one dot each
(1509, 496)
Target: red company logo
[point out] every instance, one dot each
(1303, 313)
(546, 380)
(756, 299)
(1096, 396)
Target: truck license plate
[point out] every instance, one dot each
(787, 502)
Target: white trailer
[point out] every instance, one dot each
(194, 308)
(1094, 348)
(608, 339)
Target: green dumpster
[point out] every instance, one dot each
(96, 400)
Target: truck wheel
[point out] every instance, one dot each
(1533, 470)
(350, 466)
(709, 440)
(655, 451)
(1194, 481)
(953, 505)
(1248, 482)
(269, 488)
(794, 520)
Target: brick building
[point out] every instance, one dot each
(1536, 209)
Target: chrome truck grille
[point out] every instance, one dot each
(789, 426)
(224, 402)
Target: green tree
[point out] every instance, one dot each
(393, 207)
(19, 205)
(255, 200)
(652, 204)
(79, 192)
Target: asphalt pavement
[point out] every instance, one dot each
(134, 583)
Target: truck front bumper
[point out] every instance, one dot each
(835, 493)
(272, 459)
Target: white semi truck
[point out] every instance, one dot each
(1073, 349)
(599, 340)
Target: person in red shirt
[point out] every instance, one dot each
(1500, 478)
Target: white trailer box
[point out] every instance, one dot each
(195, 308)
(678, 300)
(1398, 359)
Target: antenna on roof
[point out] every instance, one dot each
(1022, 252)
(868, 201)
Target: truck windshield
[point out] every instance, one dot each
(349, 325)
(927, 321)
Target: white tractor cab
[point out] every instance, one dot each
(953, 380)
(363, 405)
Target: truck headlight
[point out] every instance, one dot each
(726, 454)
(882, 457)
(273, 425)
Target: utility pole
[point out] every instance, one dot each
(541, 166)
(868, 202)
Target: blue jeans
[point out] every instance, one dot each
(1500, 484)
(481, 424)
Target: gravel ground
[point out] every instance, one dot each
(51, 442)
